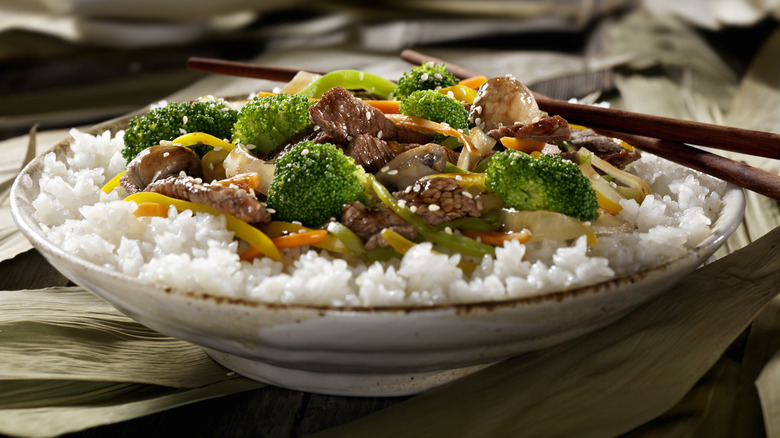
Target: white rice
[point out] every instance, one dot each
(197, 253)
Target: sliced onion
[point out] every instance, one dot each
(544, 225)
(240, 160)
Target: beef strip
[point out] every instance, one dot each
(553, 128)
(368, 224)
(452, 156)
(232, 200)
(440, 200)
(370, 152)
(343, 116)
(605, 148)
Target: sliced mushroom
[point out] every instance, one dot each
(503, 101)
(406, 168)
(159, 162)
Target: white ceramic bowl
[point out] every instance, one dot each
(364, 351)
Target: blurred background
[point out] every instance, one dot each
(74, 62)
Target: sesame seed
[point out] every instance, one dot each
(450, 94)
(368, 115)
(393, 172)
(416, 188)
(182, 130)
(349, 138)
(437, 76)
(305, 152)
(182, 173)
(468, 195)
(384, 169)
(478, 120)
(297, 223)
(271, 210)
(424, 77)
(478, 110)
(166, 154)
(434, 207)
(184, 120)
(379, 134)
(402, 202)
(211, 166)
(430, 63)
(448, 230)
(413, 209)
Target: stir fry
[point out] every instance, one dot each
(362, 167)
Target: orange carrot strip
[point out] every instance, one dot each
(250, 254)
(151, 209)
(299, 239)
(386, 106)
(474, 82)
(496, 237)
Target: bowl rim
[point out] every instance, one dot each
(733, 202)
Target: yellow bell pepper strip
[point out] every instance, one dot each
(496, 237)
(426, 125)
(350, 80)
(112, 183)
(457, 243)
(195, 138)
(241, 229)
(523, 144)
(460, 92)
(608, 197)
(473, 82)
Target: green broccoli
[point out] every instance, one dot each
(175, 119)
(546, 183)
(435, 106)
(312, 181)
(267, 122)
(426, 76)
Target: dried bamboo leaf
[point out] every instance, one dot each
(104, 403)
(68, 333)
(607, 382)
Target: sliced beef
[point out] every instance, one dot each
(232, 200)
(370, 152)
(604, 147)
(553, 128)
(440, 200)
(368, 223)
(158, 162)
(343, 116)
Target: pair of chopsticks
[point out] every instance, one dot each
(662, 136)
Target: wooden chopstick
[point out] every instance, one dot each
(740, 174)
(751, 178)
(759, 143)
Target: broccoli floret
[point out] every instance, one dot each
(311, 183)
(426, 76)
(269, 121)
(546, 183)
(175, 119)
(435, 106)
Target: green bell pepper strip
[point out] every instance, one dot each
(241, 229)
(350, 80)
(460, 244)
